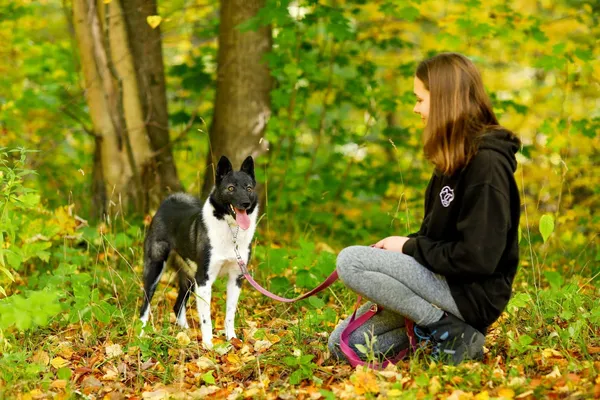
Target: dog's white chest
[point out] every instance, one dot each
(224, 234)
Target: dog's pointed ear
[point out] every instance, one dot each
(223, 168)
(248, 167)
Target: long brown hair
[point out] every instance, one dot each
(459, 110)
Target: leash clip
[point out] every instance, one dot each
(242, 265)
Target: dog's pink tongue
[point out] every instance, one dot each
(242, 219)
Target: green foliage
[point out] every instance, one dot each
(27, 234)
(302, 367)
(546, 226)
(32, 311)
(14, 367)
(559, 316)
(15, 199)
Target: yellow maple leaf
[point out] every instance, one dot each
(505, 393)
(59, 362)
(460, 395)
(364, 382)
(153, 20)
(41, 357)
(65, 350)
(59, 384)
(34, 394)
(65, 220)
(233, 359)
(482, 395)
(434, 385)
(183, 339)
(549, 353)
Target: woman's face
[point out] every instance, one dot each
(422, 94)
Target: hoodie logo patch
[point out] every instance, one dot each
(446, 195)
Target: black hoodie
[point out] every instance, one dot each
(469, 232)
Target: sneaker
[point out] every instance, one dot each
(454, 340)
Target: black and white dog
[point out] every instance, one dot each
(198, 240)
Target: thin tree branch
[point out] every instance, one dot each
(74, 117)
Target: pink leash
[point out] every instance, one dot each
(353, 358)
(350, 354)
(324, 285)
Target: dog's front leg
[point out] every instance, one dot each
(233, 294)
(203, 296)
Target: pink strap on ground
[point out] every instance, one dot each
(351, 355)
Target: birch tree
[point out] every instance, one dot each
(133, 165)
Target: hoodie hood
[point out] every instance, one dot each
(503, 142)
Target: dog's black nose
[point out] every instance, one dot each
(246, 205)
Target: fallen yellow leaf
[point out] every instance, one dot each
(111, 373)
(183, 339)
(41, 357)
(154, 20)
(364, 382)
(35, 393)
(233, 359)
(555, 373)
(482, 395)
(133, 350)
(204, 392)
(252, 392)
(59, 384)
(460, 395)
(506, 393)
(273, 338)
(113, 350)
(65, 350)
(525, 394)
(59, 362)
(549, 353)
(262, 345)
(159, 394)
(434, 385)
(205, 363)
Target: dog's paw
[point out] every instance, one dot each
(183, 324)
(144, 322)
(230, 335)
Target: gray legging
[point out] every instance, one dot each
(398, 283)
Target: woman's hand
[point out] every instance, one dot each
(392, 243)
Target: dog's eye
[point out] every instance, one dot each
(231, 188)
(249, 189)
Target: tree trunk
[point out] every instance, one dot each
(242, 103)
(124, 162)
(146, 48)
(111, 164)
